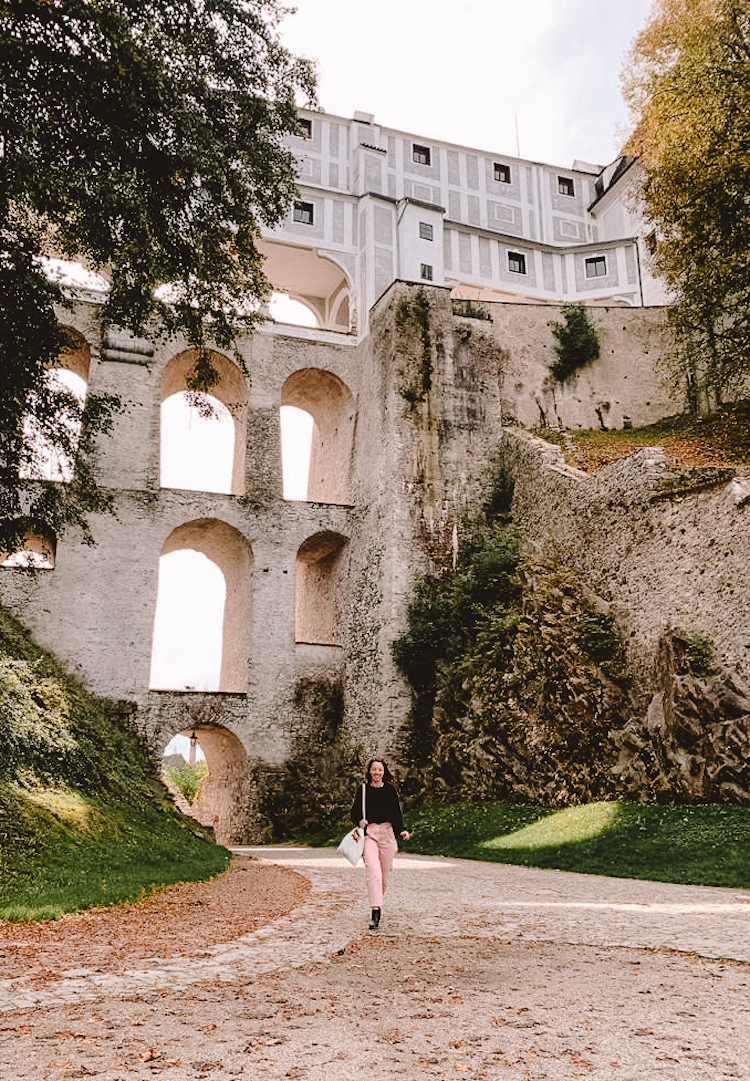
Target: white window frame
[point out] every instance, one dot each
(303, 212)
(592, 263)
(521, 258)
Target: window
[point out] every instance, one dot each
(596, 267)
(650, 242)
(502, 172)
(425, 231)
(421, 154)
(303, 212)
(565, 185)
(516, 262)
(305, 126)
(425, 272)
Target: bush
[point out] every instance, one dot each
(188, 778)
(576, 343)
(700, 652)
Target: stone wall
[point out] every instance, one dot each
(409, 423)
(663, 560)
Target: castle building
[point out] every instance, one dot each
(378, 205)
(434, 273)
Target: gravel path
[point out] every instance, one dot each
(478, 969)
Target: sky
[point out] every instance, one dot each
(539, 79)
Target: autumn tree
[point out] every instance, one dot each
(143, 138)
(688, 87)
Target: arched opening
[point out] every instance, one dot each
(325, 398)
(184, 769)
(203, 438)
(285, 309)
(309, 277)
(318, 589)
(225, 791)
(24, 543)
(51, 434)
(200, 640)
(296, 443)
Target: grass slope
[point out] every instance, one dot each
(84, 817)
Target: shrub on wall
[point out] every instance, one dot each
(516, 682)
(576, 342)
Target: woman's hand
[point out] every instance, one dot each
(363, 824)
(405, 835)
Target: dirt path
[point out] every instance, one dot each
(479, 971)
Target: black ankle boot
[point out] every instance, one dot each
(375, 919)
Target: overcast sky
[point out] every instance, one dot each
(466, 71)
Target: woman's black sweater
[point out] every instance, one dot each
(381, 805)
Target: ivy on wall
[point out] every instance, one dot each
(415, 348)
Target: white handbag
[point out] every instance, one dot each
(351, 848)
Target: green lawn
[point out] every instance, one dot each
(69, 853)
(700, 845)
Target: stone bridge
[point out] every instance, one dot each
(210, 603)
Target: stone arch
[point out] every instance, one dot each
(314, 277)
(320, 573)
(229, 406)
(188, 621)
(48, 457)
(331, 405)
(76, 356)
(27, 543)
(226, 794)
(297, 313)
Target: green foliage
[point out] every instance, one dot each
(516, 681)
(53, 730)
(144, 138)
(497, 505)
(444, 616)
(84, 818)
(188, 778)
(688, 87)
(602, 641)
(700, 652)
(576, 343)
(61, 851)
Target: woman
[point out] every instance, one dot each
(382, 822)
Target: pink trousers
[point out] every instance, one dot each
(380, 848)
